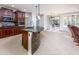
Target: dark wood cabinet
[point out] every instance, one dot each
(9, 32)
(1, 34)
(6, 12)
(20, 17)
(25, 39)
(17, 17)
(17, 31)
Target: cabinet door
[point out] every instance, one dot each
(17, 31)
(7, 32)
(20, 16)
(1, 34)
(25, 39)
(10, 32)
(13, 15)
(6, 12)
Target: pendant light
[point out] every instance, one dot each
(37, 11)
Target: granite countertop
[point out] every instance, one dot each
(32, 29)
(10, 27)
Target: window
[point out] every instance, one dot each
(77, 19)
(69, 20)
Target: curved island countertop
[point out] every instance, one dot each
(32, 29)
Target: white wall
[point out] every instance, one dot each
(45, 22)
(41, 21)
(28, 19)
(61, 22)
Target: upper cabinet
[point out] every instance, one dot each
(9, 17)
(20, 18)
(6, 12)
(20, 15)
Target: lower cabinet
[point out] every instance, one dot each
(1, 34)
(17, 31)
(25, 39)
(7, 32)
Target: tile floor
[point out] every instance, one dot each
(12, 46)
(57, 42)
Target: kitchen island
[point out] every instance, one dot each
(33, 38)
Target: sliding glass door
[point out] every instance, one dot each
(70, 20)
(73, 20)
(77, 20)
(66, 20)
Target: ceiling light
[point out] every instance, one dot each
(24, 9)
(13, 5)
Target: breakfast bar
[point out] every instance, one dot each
(33, 38)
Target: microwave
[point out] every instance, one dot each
(7, 18)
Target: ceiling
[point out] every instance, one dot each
(47, 8)
(27, 7)
(59, 8)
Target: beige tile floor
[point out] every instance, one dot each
(12, 46)
(57, 42)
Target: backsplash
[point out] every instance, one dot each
(4, 24)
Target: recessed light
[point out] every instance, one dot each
(13, 5)
(24, 9)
